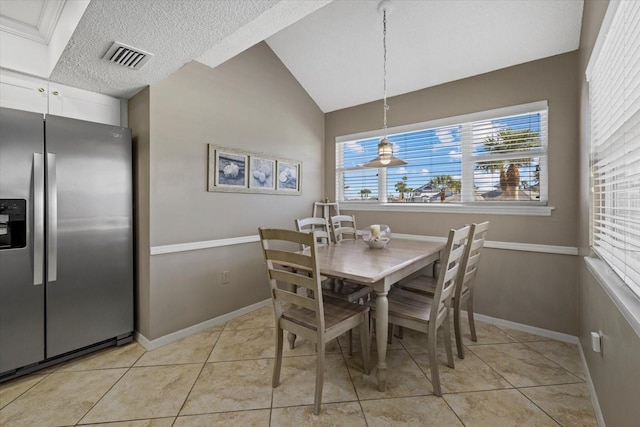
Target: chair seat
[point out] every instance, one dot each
(427, 285)
(335, 312)
(345, 290)
(423, 284)
(407, 305)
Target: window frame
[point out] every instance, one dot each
(529, 208)
(613, 278)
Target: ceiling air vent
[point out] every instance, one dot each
(127, 56)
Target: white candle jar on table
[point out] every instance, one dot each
(377, 235)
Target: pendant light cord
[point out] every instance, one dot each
(384, 46)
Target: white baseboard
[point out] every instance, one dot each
(592, 390)
(183, 333)
(558, 336)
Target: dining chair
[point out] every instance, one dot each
(343, 227)
(464, 286)
(333, 287)
(427, 314)
(319, 319)
(317, 225)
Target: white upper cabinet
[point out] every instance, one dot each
(84, 105)
(31, 94)
(24, 93)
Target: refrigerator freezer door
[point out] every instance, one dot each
(91, 297)
(21, 290)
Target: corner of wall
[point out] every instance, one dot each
(139, 122)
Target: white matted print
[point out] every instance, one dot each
(238, 171)
(262, 173)
(230, 169)
(288, 176)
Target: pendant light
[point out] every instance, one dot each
(385, 147)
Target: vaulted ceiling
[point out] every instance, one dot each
(333, 48)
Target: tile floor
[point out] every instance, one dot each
(222, 377)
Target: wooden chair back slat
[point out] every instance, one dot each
(296, 299)
(293, 278)
(318, 226)
(446, 284)
(282, 270)
(471, 258)
(290, 259)
(343, 227)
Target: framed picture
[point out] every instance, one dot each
(262, 173)
(230, 169)
(239, 171)
(288, 179)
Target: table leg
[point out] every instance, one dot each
(382, 327)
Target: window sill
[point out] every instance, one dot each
(621, 295)
(449, 208)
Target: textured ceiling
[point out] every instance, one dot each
(336, 53)
(175, 31)
(333, 48)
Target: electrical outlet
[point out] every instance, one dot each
(226, 277)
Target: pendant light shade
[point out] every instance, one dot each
(385, 156)
(385, 147)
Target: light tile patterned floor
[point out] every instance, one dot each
(222, 377)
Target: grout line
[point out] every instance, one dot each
(191, 388)
(43, 375)
(538, 406)
(446, 402)
(490, 366)
(550, 359)
(110, 388)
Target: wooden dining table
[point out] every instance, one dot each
(379, 268)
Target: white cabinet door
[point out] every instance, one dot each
(81, 104)
(23, 93)
(30, 94)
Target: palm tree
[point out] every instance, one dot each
(445, 181)
(401, 187)
(364, 193)
(505, 141)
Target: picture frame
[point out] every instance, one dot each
(288, 179)
(231, 169)
(262, 173)
(239, 171)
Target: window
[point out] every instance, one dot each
(614, 101)
(494, 157)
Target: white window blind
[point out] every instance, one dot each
(614, 99)
(488, 157)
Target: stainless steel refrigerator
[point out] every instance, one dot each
(66, 239)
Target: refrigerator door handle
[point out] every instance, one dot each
(38, 218)
(52, 203)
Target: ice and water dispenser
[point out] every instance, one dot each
(13, 223)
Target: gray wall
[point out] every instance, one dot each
(138, 114)
(518, 289)
(616, 373)
(251, 103)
